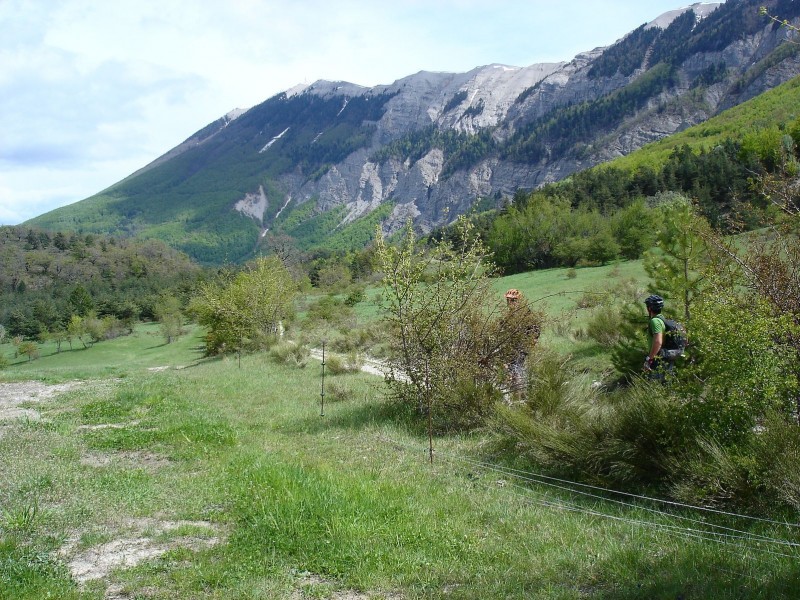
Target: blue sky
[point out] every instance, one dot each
(91, 90)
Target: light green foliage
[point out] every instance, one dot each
(451, 336)
(76, 329)
(248, 309)
(330, 311)
(778, 105)
(334, 277)
(742, 370)
(29, 349)
(94, 327)
(527, 236)
(631, 231)
(675, 266)
(168, 312)
(765, 146)
(546, 231)
(794, 131)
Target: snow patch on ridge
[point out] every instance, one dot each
(701, 10)
(234, 114)
(273, 140)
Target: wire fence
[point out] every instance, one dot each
(687, 521)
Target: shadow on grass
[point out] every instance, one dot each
(361, 414)
(204, 360)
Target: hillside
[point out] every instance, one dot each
(775, 107)
(314, 162)
(46, 279)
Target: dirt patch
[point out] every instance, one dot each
(99, 426)
(135, 459)
(14, 395)
(314, 586)
(14, 413)
(137, 540)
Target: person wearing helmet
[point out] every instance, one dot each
(653, 365)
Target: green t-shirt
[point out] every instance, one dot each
(656, 325)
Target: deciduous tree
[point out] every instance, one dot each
(451, 335)
(248, 310)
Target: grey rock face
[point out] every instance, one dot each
(502, 99)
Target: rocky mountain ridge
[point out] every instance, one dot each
(506, 98)
(431, 145)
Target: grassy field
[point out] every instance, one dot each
(156, 473)
(128, 355)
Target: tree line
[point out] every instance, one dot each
(48, 280)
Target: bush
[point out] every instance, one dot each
(639, 436)
(468, 406)
(337, 392)
(567, 426)
(289, 353)
(562, 325)
(334, 365)
(550, 428)
(329, 310)
(113, 328)
(762, 473)
(360, 338)
(356, 294)
(593, 298)
(605, 326)
(450, 333)
(337, 365)
(739, 373)
(260, 341)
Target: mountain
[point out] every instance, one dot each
(325, 163)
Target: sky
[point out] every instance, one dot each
(92, 90)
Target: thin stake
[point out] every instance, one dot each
(322, 393)
(430, 414)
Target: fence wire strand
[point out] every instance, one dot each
(733, 539)
(532, 478)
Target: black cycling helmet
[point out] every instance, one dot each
(654, 302)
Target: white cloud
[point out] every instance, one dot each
(90, 91)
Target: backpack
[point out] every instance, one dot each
(675, 340)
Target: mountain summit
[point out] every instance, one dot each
(324, 163)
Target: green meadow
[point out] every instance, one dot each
(157, 473)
